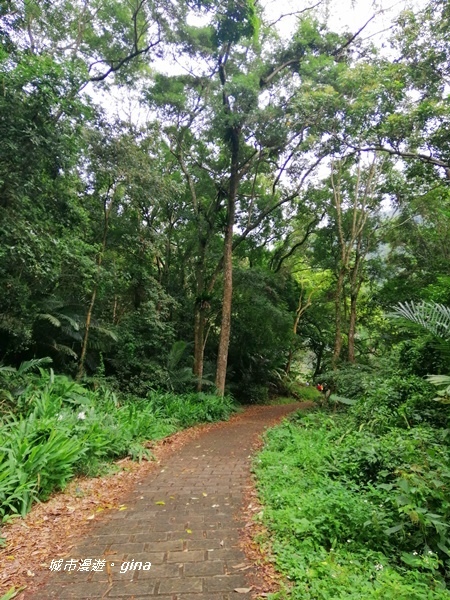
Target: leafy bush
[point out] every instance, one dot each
(355, 513)
(396, 401)
(351, 381)
(387, 398)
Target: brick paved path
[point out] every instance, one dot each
(184, 519)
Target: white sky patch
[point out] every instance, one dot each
(341, 15)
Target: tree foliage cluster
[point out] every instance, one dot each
(280, 195)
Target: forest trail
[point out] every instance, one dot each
(184, 519)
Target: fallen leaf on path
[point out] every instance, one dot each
(243, 590)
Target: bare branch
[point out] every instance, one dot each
(352, 38)
(295, 13)
(414, 155)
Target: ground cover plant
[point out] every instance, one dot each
(357, 502)
(53, 428)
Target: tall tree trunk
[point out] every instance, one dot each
(233, 138)
(199, 313)
(319, 356)
(225, 329)
(355, 287)
(199, 343)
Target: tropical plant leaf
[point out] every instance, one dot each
(439, 379)
(349, 401)
(65, 350)
(106, 332)
(176, 354)
(70, 320)
(35, 363)
(50, 318)
(431, 316)
(12, 593)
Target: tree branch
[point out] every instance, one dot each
(296, 13)
(309, 229)
(114, 68)
(414, 155)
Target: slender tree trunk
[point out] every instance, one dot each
(199, 338)
(352, 329)
(338, 319)
(319, 357)
(87, 325)
(199, 314)
(301, 309)
(355, 287)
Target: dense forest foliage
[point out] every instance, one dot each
(194, 204)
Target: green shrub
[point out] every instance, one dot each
(357, 513)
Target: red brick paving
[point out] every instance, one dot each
(183, 519)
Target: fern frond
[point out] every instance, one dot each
(342, 400)
(439, 379)
(71, 321)
(176, 354)
(106, 332)
(50, 318)
(65, 350)
(34, 363)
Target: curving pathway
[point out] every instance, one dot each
(183, 519)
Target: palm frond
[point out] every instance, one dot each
(176, 354)
(70, 320)
(431, 316)
(342, 400)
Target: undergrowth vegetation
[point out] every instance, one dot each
(52, 428)
(357, 502)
